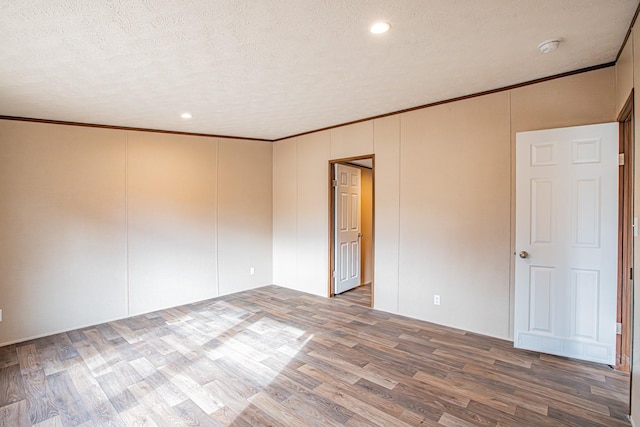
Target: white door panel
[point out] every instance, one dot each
(347, 262)
(567, 223)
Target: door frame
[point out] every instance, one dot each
(332, 221)
(625, 236)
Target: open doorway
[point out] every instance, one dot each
(351, 236)
(625, 237)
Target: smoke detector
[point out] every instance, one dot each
(550, 45)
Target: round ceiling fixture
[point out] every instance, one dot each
(380, 27)
(549, 45)
(186, 116)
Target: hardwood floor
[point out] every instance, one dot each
(277, 357)
(360, 295)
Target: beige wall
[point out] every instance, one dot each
(63, 233)
(386, 141)
(454, 214)
(366, 260)
(443, 205)
(312, 213)
(351, 141)
(244, 215)
(300, 213)
(172, 184)
(99, 224)
(624, 74)
(627, 77)
(285, 213)
(635, 385)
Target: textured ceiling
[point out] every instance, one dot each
(274, 68)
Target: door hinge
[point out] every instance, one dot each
(619, 328)
(631, 273)
(621, 159)
(334, 183)
(333, 274)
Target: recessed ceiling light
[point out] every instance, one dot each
(380, 27)
(550, 45)
(185, 116)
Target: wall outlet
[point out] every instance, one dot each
(252, 271)
(0, 315)
(436, 299)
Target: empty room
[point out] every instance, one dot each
(318, 213)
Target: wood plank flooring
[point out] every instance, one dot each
(360, 295)
(277, 357)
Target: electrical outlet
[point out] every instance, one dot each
(252, 271)
(436, 299)
(0, 315)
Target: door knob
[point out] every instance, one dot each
(524, 254)
(359, 235)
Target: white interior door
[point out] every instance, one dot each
(347, 228)
(566, 241)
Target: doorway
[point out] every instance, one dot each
(625, 237)
(351, 229)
